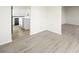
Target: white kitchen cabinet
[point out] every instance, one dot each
(26, 23)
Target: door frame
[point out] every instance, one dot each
(12, 20)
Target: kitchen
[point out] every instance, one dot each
(21, 21)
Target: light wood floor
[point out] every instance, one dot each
(71, 30)
(46, 42)
(19, 33)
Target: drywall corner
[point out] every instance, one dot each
(54, 19)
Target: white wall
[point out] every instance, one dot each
(45, 18)
(21, 10)
(38, 15)
(5, 24)
(63, 15)
(54, 19)
(72, 15)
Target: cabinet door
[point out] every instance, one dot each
(26, 23)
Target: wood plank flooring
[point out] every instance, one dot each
(19, 33)
(44, 42)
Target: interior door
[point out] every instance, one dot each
(16, 21)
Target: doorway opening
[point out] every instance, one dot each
(70, 21)
(20, 22)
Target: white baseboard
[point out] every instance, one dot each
(5, 42)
